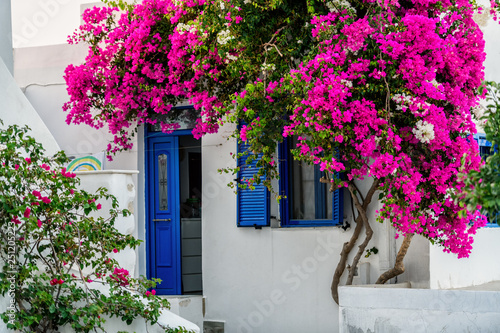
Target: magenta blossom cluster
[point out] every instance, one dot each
(156, 79)
(390, 96)
(385, 89)
(121, 276)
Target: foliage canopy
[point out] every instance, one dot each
(370, 88)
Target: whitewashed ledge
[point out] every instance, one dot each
(367, 309)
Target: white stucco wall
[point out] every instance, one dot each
(40, 29)
(416, 263)
(491, 31)
(39, 72)
(396, 310)
(6, 36)
(16, 109)
(45, 22)
(446, 271)
(274, 279)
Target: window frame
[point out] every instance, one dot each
(481, 141)
(285, 206)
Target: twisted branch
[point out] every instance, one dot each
(348, 246)
(399, 266)
(368, 233)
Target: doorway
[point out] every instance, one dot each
(173, 212)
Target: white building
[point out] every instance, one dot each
(225, 277)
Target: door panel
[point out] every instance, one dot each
(163, 214)
(164, 253)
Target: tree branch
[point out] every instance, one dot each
(399, 266)
(346, 249)
(348, 246)
(368, 231)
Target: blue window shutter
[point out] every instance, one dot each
(253, 205)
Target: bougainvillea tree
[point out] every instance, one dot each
(378, 89)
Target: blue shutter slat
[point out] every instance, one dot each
(253, 205)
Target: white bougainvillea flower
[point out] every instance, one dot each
(424, 131)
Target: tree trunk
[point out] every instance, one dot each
(348, 246)
(368, 233)
(346, 249)
(399, 266)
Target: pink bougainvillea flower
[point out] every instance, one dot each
(120, 275)
(54, 281)
(243, 132)
(149, 293)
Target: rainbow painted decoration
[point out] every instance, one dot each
(86, 163)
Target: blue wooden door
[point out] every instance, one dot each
(163, 220)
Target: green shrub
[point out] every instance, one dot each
(55, 249)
